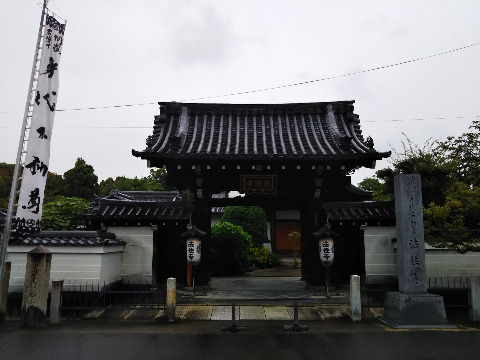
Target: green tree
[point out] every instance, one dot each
(451, 196)
(464, 152)
(64, 214)
(450, 224)
(155, 181)
(80, 181)
(251, 219)
(435, 171)
(53, 187)
(230, 248)
(122, 183)
(378, 188)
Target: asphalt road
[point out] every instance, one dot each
(206, 340)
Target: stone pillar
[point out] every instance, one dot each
(55, 301)
(411, 269)
(412, 306)
(4, 291)
(171, 299)
(35, 291)
(355, 298)
(474, 295)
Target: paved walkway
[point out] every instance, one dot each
(224, 312)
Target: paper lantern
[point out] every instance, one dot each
(325, 247)
(194, 251)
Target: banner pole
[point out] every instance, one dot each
(16, 172)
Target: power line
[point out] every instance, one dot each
(276, 87)
(423, 119)
(335, 77)
(363, 121)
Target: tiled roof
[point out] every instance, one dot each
(68, 238)
(314, 131)
(162, 196)
(163, 205)
(371, 212)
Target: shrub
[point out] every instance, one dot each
(230, 247)
(261, 255)
(275, 259)
(251, 219)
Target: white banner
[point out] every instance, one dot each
(29, 210)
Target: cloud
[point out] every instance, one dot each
(201, 37)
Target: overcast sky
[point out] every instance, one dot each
(134, 52)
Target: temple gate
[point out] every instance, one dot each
(293, 157)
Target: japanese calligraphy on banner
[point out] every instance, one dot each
(43, 104)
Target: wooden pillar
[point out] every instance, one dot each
(311, 266)
(201, 218)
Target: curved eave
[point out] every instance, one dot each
(148, 155)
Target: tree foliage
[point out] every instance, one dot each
(64, 214)
(80, 181)
(155, 181)
(230, 247)
(251, 219)
(53, 187)
(378, 188)
(435, 170)
(464, 153)
(450, 173)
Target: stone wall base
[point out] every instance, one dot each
(404, 311)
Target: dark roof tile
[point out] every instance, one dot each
(140, 205)
(315, 131)
(68, 238)
(370, 212)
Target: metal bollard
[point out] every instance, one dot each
(296, 326)
(234, 327)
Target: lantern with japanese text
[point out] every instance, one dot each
(325, 245)
(194, 251)
(194, 244)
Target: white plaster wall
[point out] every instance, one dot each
(138, 252)
(380, 256)
(381, 261)
(74, 264)
(444, 262)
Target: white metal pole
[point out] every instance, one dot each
(13, 189)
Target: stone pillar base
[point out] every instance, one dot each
(407, 311)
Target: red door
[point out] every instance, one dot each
(284, 243)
